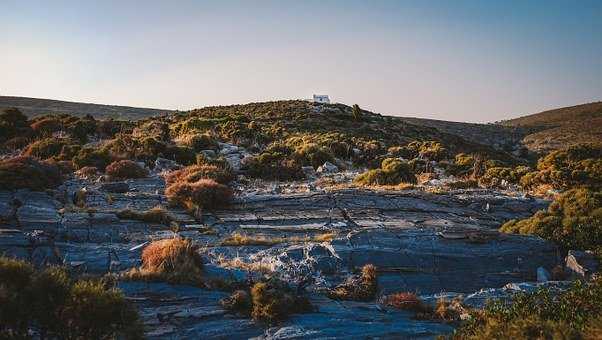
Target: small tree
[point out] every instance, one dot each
(357, 112)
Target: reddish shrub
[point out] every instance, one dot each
(193, 173)
(28, 173)
(125, 169)
(46, 126)
(205, 193)
(405, 301)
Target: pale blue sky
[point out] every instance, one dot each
(454, 60)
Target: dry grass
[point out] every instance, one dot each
(174, 260)
(239, 263)
(406, 301)
(237, 239)
(155, 215)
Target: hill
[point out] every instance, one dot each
(554, 129)
(35, 107)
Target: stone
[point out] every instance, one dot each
(543, 275)
(327, 168)
(162, 164)
(309, 171)
(582, 264)
(115, 187)
(226, 148)
(209, 153)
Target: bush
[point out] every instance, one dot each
(392, 172)
(13, 124)
(204, 193)
(538, 315)
(194, 173)
(174, 260)
(494, 176)
(274, 165)
(125, 169)
(199, 142)
(274, 301)
(52, 304)
(359, 288)
(154, 215)
(573, 220)
(312, 154)
(98, 158)
(46, 148)
(28, 173)
(46, 126)
(239, 302)
(578, 165)
(406, 301)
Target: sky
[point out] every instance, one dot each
(475, 61)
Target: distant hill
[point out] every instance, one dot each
(34, 107)
(553, 129)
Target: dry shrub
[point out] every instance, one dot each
(173, 260)
(46, 126)
(204, 193)
(193, 173)
(87, 172)
(154, 215)
(28, 173)
(358, 287)
(406, 301)
(274, 301)
(239, 302)
(125, 169)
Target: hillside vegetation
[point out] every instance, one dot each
(34, 106)
(558, 128)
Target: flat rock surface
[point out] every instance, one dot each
(419, 241)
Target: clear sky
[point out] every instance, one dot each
(455, 60)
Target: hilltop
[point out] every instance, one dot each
(35, 106)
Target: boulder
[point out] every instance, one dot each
(581, 264)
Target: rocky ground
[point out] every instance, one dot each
(434, 244)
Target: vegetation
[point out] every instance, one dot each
(13, 124)
(269, 301)
(495, 176)
(204, 193)
(55, 305)
(392, 172)
(406, 301)
(28, 173)
(238, 239)
(174, 260)
(577, 165)
(93, 158)
(571, 314)
(155, 215)
(573, 220)
(194, 173)
(359, 288)
(125, 169)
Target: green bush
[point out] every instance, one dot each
(275, 301)
(46, 126)
(573, 220)
(28, 173)
(46, 148)
(542, 314)
(312, 154)
(53, 304)
(274, 163)
(494, 176)
(392, 172)
(98, 158)
(578, 165)
(193, 173)
(13, 124)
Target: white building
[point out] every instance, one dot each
(321, 98)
